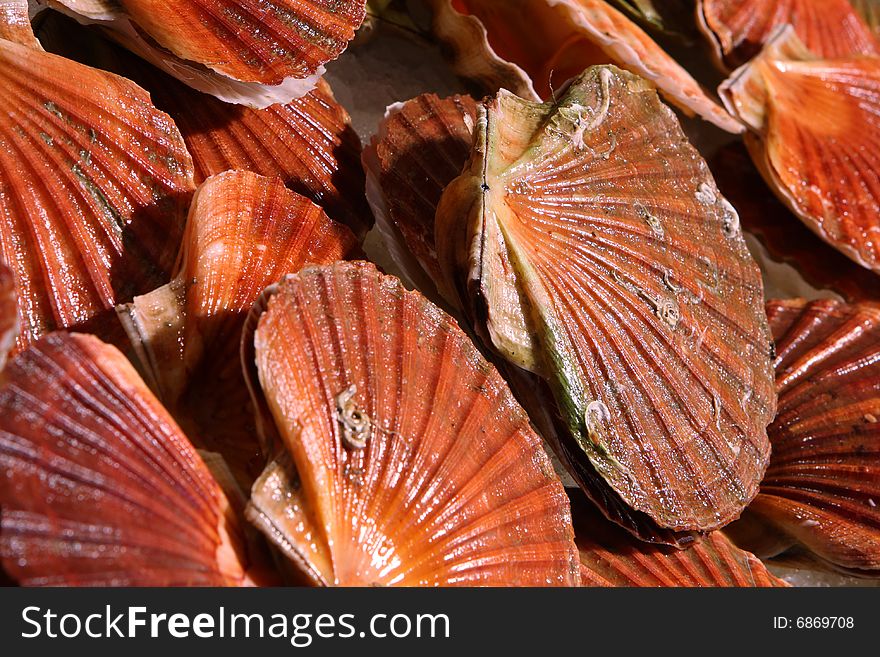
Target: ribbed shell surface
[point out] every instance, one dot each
(611, 556)
(94, 186)
(829, 28)
(822, 487)
(101, 488)
(599, 253)
(824, 162)
(415, 461)
(261, 41)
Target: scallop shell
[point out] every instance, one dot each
(786, 239)
(420, 148)
(94, 185)
(309, 143)
(268, 43)
(15, 24)
(823, 163)
(829, 28)
(101, 487)
(588, 240)
(546, 42)
(8, 313)
(611, 556)
(822, 488)
(415, 465)
(244, 233)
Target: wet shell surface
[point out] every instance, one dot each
(786, 239)
(822, 488)
(738, 29)
(15, 23)
(824, 162)
(264, 41)
(590, 244)
(308, 143)
(101, 488)
(547, 42)
(244, 233)
(611, 556)
(94, 185)
(414, 464)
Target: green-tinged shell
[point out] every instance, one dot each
(590, 245)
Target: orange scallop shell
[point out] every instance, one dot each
(94, 185)
(830, 28)
(101, 488)
(611, 556)
(822, 488)
(309, 143)
(264, 41)
(591, 246)
(244, 232)
(786, 239)
(414, 464)
(817, 139)
(529, 46)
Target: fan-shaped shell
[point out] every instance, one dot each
(94, 185)
(817, 143)
(264, 41)
(100, 486)
(546, 42)
(611, 556)
(822, 488)
(244, 232)
(589, 240)
(308, 143)
(416, 465)
(829, 28)
(786, 239)
(8, 313)
(420, 148)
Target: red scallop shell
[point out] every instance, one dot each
(592, 247)
(94, 185)
(829, 28)
(786, 239)
(264, 41)
(414, 464)
(244, 233)
(611, 556)
(822, 488)
(101, 488)
(309, 143)
(817, 139)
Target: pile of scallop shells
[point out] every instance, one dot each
(565, 368)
